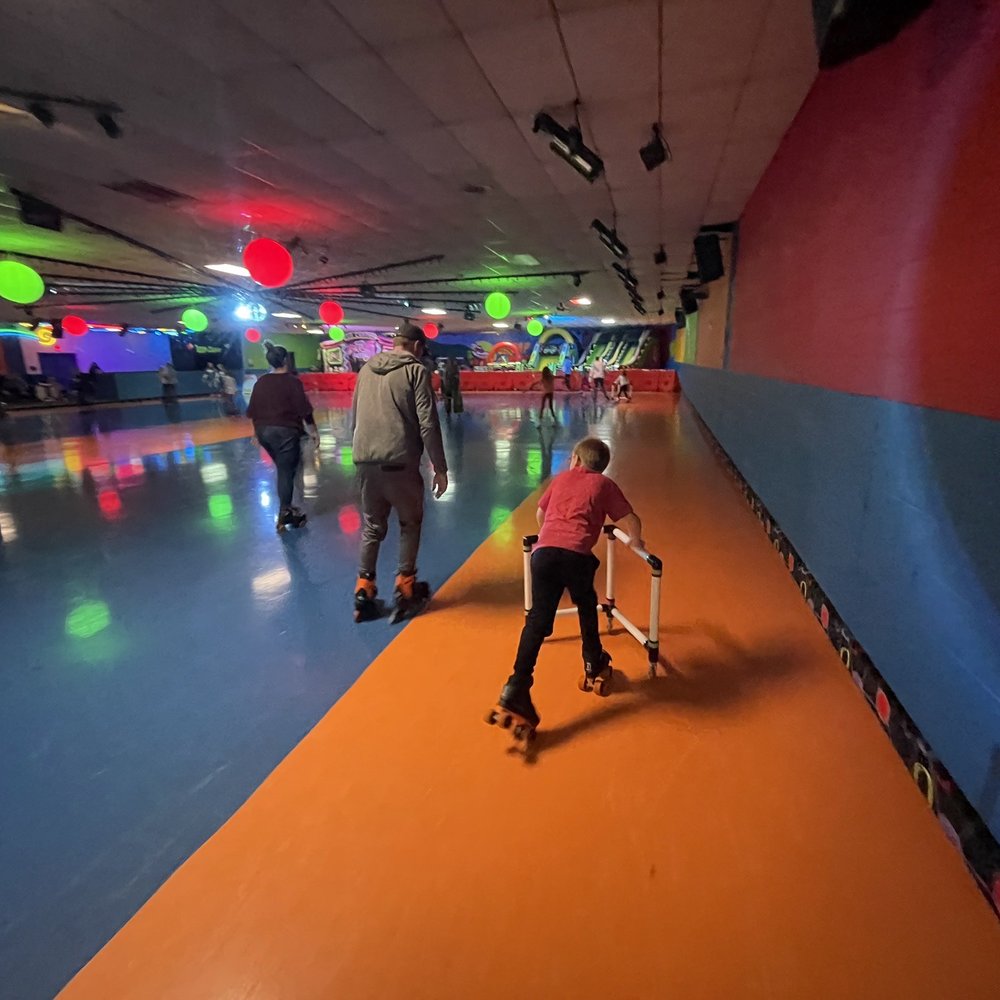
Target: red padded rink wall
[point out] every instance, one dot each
(643, 380)
(740, 828)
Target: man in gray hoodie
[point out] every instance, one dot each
(395, 421)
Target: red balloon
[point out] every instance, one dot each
(268, 262)
(431, 330)
(252, 334)
(75, 326)
(331, 313)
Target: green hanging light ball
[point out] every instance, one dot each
(195, 320)
(20, 283)
(497, 305)
(535, 327)
(336, 334)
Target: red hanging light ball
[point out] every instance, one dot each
(252, 334)
(331, 313)
(75, 326)
(268, 262)
(431, 330)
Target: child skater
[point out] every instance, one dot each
(623, 387)
(548, 383)
(570, 515)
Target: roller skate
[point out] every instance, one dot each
(366, 607)
(411, 598)
(290, 517)
(596, 677)
(514, 711)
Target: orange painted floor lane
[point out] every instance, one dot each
(738, 828)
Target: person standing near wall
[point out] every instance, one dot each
(395, 420)
(451, 387)
(168, 382)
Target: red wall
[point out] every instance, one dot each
(869, 256)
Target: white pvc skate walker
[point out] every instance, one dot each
(651, 641)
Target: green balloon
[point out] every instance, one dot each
(497, 305)
(20, 283)
(336, 334)
(195, 320)
(535, 327)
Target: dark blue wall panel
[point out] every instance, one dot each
(896, 510)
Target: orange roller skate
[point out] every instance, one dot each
(366, 607)
(514, 711)
(596, 677)
(411, 598)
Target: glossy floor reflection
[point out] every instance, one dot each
(163, 649)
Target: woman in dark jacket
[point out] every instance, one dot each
(279, 409)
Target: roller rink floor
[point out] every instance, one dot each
(202, 750)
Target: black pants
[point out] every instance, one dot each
(547, 400)
(552, 572)
(284, 446)
(599, 384)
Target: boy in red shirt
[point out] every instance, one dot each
(571, 513)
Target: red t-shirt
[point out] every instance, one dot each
(576, 505)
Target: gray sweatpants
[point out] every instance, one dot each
(383, 489)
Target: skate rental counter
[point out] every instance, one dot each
(643, 380)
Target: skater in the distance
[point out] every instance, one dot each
(598, 372)
(571, 514)
(280, 411)
(395, 421)
(548, 384)
(451, 387)
(623, 387)
(567, 372)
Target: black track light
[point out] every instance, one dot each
(660, 257)
(567, 143)
(577, 280)
(609, 237)
(42, 113)
(629, 280)
(689, 301)
(656, 151)
(680, 319)
(107, 122)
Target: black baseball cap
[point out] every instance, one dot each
(408, 331)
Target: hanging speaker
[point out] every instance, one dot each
(689, 301)
(708, 253)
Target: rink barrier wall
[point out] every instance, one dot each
(964, 828)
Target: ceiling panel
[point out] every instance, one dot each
(392, 22)
(362, 82)
(315, 32)
(524, 64)
(397, 128)
(455, 90)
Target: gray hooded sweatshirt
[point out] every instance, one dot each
(395, 414)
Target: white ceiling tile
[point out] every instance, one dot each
(392, 22)
(315, 31)
(456, 89)
(523, 63)
(362, 82)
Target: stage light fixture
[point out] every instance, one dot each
(609, 237)
(42, 113)
(107, 122)
(660, 257)
(656, 152)
(577, 280)
(628, 279)
(567, 143)
(689, 302)
(680, 319)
